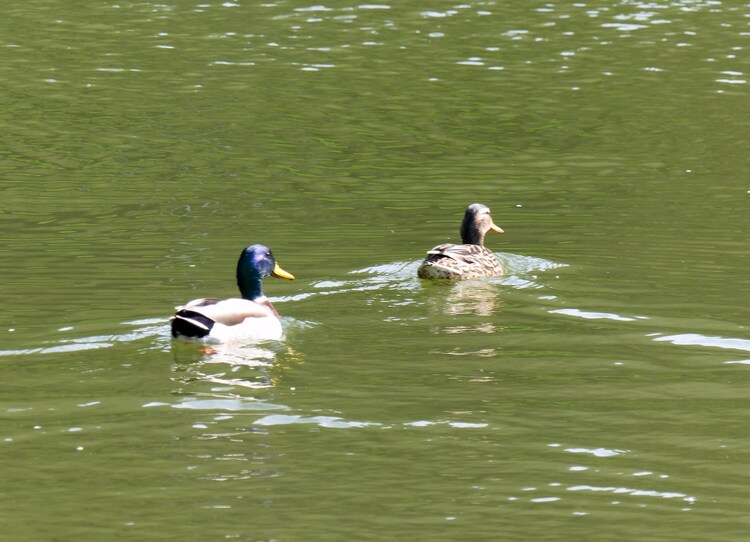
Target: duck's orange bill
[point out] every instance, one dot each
(496, 229)
(280, 273)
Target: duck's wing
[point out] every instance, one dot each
(459, 253)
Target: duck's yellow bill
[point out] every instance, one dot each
(280, 273)
(496, 229)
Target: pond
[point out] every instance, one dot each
(599, 390)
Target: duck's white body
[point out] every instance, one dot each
(233, 320)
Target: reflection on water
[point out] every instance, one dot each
(468, 298)
(234, 365)
(483, 298)
(472, 297)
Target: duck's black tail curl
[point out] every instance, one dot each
(191, 325)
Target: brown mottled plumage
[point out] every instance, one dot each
(470, 259)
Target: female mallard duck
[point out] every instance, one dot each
(469, 260)
(250, 318)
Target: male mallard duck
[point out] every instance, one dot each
(250, 318)
(469, 260)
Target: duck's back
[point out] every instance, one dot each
(449, 261)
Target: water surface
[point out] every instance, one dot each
(597, 391)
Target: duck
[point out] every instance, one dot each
(469, 260)
(251, 317)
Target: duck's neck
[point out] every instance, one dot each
(250, 286)
(471, 235)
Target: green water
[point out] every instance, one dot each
(599, 391)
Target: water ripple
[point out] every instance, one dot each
(322, 421)
(152, 327)
(340, 423)
(589, 315)
(596, 452)
(232, 405)
(696, 339)
(634, 492)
